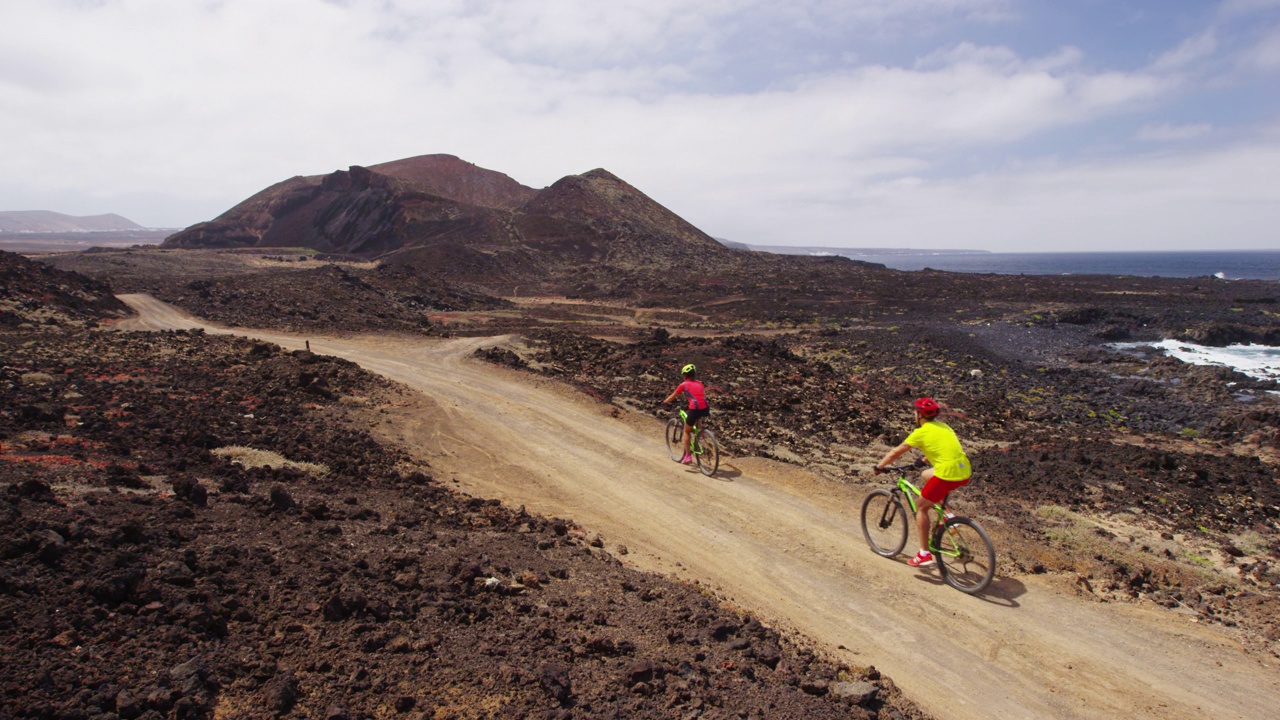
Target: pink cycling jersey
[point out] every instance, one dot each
(693, 390)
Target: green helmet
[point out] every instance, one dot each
(690, 368)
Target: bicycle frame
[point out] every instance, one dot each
(965, 555)
(688, 439)
(911, 492)
(694, 446)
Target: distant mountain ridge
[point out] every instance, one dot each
(478, 225)
(45, 221)
(849, 252)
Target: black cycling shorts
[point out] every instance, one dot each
(691, 417)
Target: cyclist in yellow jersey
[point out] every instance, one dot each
(950, 467)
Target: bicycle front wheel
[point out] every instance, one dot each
(675, 439)
(966, 558)
(884, 523)
(708, 453)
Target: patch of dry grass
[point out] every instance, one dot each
(1090, 545)
(253, 458)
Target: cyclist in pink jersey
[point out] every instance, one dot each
(698, 408)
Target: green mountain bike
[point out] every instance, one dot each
(702, 444)
(964, 554)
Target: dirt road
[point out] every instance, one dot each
(784, 545)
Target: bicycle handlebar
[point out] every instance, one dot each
(896, 468)
(916, 464)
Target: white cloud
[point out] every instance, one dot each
(969, 54)
(1246, 7)
(1161, 202)
(1191, 51)
(1173, 133)
(577, 34)
(1265, 55)
(180, 109)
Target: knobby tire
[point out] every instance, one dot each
(965, 556)
(884, 523)
(709, 458)
(675, 438)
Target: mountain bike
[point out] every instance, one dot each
(702, 444)
(964, 554)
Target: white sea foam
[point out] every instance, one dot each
(1256, 361)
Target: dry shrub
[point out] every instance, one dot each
(253, 458)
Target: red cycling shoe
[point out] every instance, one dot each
(922, 559)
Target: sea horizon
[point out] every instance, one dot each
(1221, 264)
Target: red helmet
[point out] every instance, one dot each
(927, 407)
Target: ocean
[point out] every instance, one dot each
(1257, 361)
(1228, 265)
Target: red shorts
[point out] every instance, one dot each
(937, 489)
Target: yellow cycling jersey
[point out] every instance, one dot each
(942, 449)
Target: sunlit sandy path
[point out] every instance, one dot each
(793, 558)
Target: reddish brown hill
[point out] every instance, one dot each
(350, 212)
(245, 224)
(456, 179)
(598, 216)
(479, 226)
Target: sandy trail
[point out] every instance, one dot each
(785, 546)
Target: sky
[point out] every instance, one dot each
(1003, 125)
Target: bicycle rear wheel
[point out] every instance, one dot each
(675, 439)
(709, 457)
(884, 523)
(966, 558)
